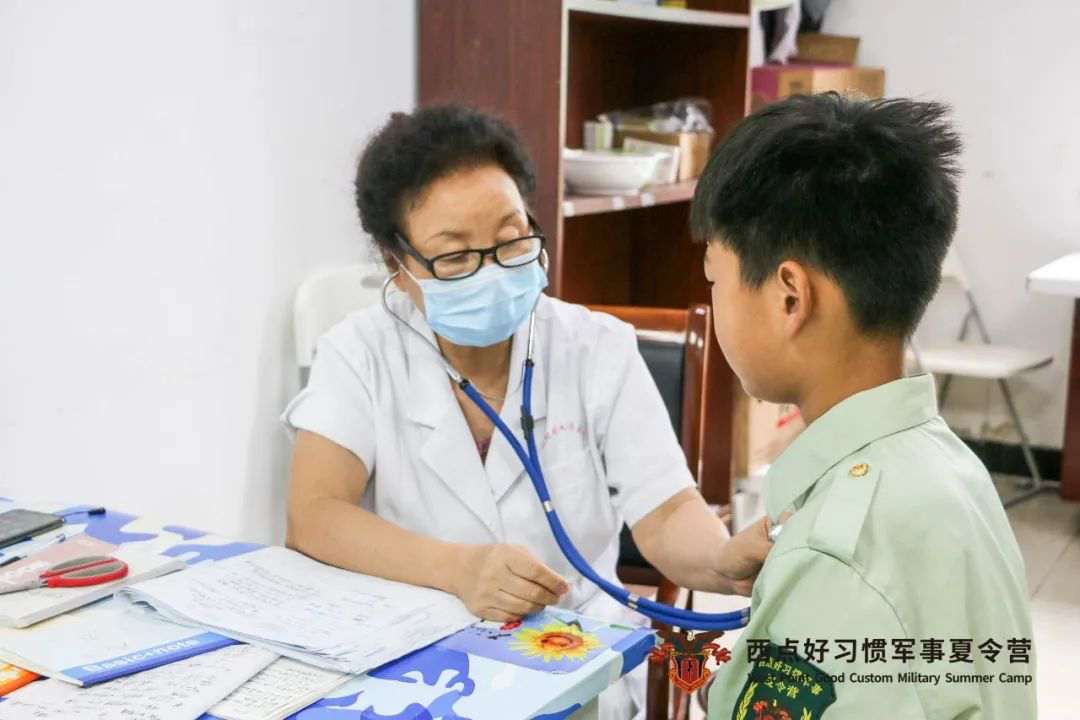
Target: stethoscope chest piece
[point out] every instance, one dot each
(774, 532)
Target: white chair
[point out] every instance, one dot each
(325, 299)
(984, 360)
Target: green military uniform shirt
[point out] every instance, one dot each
(899, 544)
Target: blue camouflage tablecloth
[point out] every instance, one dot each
(552, 666)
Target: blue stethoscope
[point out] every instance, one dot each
(530, 459)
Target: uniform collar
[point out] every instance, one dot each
(846, 427)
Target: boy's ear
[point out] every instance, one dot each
(796, 293)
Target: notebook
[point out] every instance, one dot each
(103, 641)
(20, 609)
(181, 691)
(285, 687)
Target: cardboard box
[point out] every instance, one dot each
(870, 81)
(762, 431)
(822, 48)
(769, 83)
(694, 147)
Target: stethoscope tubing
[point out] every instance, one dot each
(530, 460)
(667, 614)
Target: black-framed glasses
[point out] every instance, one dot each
(461, 264)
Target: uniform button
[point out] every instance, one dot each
(859, 469)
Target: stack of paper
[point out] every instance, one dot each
(19, 609)
(106, 640)
(286, 687)
(180, 691)
(301, 608)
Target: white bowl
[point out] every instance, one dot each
(607, 173)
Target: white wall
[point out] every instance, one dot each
(169, 171)
(1008, 69)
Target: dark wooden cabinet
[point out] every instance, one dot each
(547, 66)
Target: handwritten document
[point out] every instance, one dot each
(179, 691)
(280, 690)
(300, 608)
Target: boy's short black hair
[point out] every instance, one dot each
(413, 150)
(862, 190)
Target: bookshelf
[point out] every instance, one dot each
(653, 13)
(576, 205)
(547, 66)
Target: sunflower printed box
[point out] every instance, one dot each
(550, 665)
(551, 641)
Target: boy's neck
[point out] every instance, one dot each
(865, 366)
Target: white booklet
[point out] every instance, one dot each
(180, 691)
(304, 609)
(103, 641)
(285, 687)
(20, 609)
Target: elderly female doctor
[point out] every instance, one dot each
(397, 473)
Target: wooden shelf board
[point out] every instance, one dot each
(574, 205)
(650, 13)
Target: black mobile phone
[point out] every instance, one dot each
(17, 525)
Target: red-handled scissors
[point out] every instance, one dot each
(79, 572)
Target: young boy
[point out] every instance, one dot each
(896, 590)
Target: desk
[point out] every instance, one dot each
(1062, 277)
(430, 684)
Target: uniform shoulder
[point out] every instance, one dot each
(929, 474)
(912, 486)
(843, 504)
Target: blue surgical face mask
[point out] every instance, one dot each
(483, 309)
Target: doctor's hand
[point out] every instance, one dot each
(742, 556)
(504, 582)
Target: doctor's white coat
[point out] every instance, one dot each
(607, 448)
